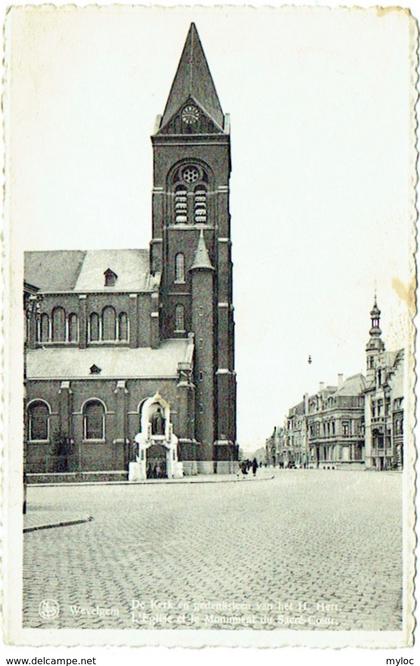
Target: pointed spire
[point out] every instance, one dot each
(375, 343)
(193, 79)
(375, 317)
(201, 259)
(375, 310)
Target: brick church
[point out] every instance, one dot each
(130, 353)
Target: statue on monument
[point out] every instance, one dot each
(158, 423)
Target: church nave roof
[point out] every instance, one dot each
(83, 270)
(119, 363)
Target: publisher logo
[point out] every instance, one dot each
(49, 609)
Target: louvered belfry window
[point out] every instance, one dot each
(200, 205)
(190, 184)
(181, 205)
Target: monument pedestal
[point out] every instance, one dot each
(156, 429)
(178, 470)
(135, 472)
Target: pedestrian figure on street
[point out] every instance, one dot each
(254, 466)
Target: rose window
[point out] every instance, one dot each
(190, 174)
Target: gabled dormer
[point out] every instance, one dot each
(110, 278)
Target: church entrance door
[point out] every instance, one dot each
(156, 462)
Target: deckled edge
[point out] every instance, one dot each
(409, 474)
(410, 470)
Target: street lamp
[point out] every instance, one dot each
(309, 378)
(31, 308)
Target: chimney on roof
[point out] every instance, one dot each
(321, 386)
(340, 379)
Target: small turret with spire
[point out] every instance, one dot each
(375, 344)
(201, 257)
(375, 317)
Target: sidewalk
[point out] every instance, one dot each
(262, 475)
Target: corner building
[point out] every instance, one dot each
(124, 334)
(384, 401)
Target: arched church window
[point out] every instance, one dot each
(179, 268)
(200, 205)
(179, 318)
(72, 328)
(39, 416)
(58, 325)
(108, 323)
(94, 327)
(94, 420)
(181, 205)
(122, 326)
(44, 328)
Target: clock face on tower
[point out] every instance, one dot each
(190, 114)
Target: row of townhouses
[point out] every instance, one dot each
(358, 423)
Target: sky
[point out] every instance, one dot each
(322, 197)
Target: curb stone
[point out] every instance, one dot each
(62, 523)
(154, 482)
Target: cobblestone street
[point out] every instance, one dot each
(308, 550)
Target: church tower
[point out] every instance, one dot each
(191, 249)
(375, 344)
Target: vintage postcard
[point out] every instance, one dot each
(210, 268)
